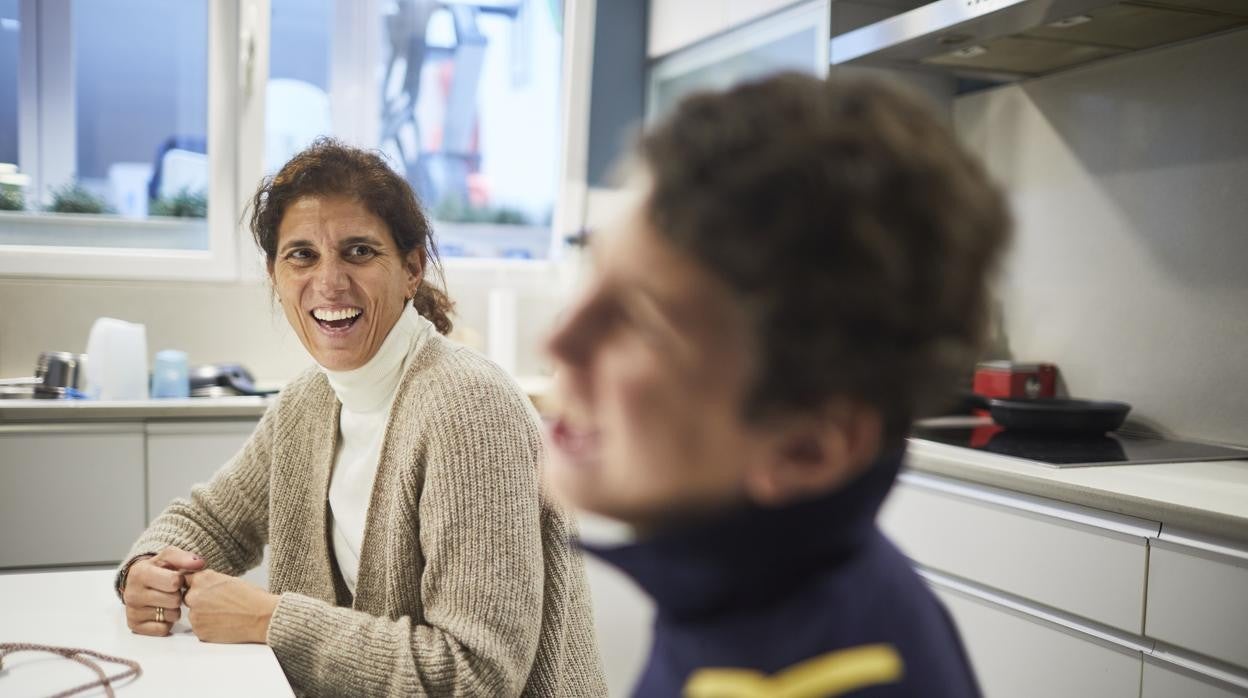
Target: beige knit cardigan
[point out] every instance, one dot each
(467, 584)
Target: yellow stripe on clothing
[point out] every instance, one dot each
(831, 674)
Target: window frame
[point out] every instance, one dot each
(238, 67)
(231, 113)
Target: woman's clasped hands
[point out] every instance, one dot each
(220, 608)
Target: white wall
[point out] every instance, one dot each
(1129, 180)
(216, 322)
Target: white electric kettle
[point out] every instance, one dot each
(117, 360)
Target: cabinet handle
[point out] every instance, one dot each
(1071, 513)
(1188, 542)
(73, 428)
(1177, 660)
(1071, 625)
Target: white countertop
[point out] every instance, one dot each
(538, 388)
(1209, 498)
(79, 609)
(115, 410)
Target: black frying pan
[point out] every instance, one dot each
(1056, 414)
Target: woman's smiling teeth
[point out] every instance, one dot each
(336, 318)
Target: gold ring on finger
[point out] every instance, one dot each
(160, 614)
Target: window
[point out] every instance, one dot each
(108, 153)
(463, 98)
(140, 86)
(133, 131)
(297, 107)
(120, 125)
(9, 25)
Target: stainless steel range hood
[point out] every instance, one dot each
(1011, 39)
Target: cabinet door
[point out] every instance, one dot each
(69, 494)
(675, 24)
(1166, 680)
(1198, 596)
(623, 615)
(1087, 563)
(1017, 655)
(742, 11)
(183, 454)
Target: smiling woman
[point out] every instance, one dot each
(346, 204)
(340, 279)
(396, 483)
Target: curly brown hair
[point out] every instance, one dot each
(330, 168)
(858, 236)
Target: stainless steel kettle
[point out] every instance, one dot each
(58, 374)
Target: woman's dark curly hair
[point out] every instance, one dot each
(857, 234)
(330, 168)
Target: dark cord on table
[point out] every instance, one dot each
(82, 657)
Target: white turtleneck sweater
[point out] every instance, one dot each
(367, 394)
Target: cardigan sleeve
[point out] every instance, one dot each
(225, 520)
(482, 586)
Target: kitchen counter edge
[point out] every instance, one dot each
(1201, 506)
(25, 411)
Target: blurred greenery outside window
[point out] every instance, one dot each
(121, 96)
(109, 146)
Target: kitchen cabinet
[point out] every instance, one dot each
(742, 11)
(80, 493)
(1015, 653)
(1088, 563)
(623, 614)
(1198, 596)
(70, 494)
(795, 39)
(676, 24)
(183, 454)
(1191, 679)
(1053, 598)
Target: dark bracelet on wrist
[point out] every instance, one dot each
(125, 573)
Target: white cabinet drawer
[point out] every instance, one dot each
(675, 24)
(1166, 679)
(183, 454)
(69, 494)
(1198, 596)
(1015, 655)
(1087, 563)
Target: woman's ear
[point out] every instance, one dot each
(414, 261)
(811, 455)
(270, 266)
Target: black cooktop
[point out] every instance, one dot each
(1070, 451)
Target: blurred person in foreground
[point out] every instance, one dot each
(804, 268)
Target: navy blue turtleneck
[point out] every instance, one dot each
(770, 589)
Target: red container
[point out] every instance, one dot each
(1008, 379)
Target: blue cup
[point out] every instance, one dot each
(170, 377)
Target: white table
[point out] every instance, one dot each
(79, 609)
